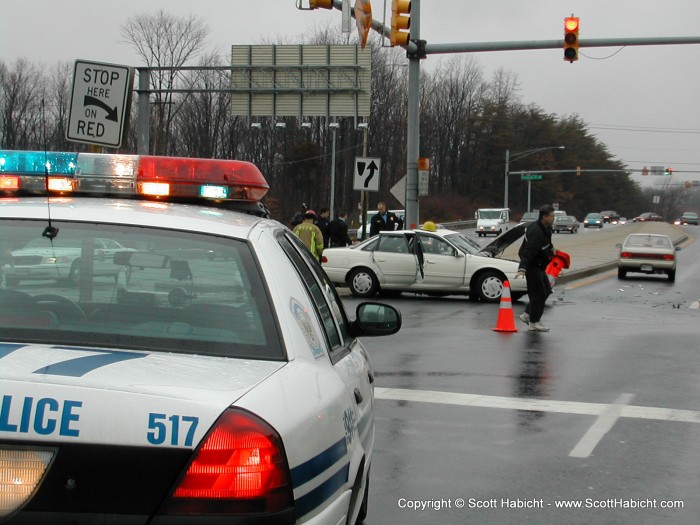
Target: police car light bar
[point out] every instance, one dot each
(131, 175)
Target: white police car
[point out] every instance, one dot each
(190, 388)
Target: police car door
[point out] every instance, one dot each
(349, 358)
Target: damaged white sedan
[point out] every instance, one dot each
(443, 262)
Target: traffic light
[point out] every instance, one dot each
(400, 22)
(571, 25)
(323, 4)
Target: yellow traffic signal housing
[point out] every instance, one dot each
(323, 4)
(400, 22)
(571, 26)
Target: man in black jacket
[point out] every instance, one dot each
(535, 254)
(384, 221)
(338, 231)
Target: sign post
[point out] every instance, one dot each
(100, 101)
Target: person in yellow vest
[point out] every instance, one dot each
(310, 234)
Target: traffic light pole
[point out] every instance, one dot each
(413, 125)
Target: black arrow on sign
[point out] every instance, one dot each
(92, 101)
(372, 168)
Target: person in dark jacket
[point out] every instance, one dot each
(384, 221)
(299, 216)
(338, 231)
(535, 254)
(322, 223)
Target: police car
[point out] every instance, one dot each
(184, 388)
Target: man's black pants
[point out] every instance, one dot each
(538, 290)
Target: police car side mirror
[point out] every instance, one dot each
(374, 319)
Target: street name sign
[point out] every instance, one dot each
(100, 101)
(367, 170)
(532, 176)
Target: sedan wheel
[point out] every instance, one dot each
(489, 287)
(363, 283)
(621, 274)
(672, 276)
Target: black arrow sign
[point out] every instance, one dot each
(111, 113)
(372, 168)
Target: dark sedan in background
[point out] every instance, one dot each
(648, 217)
(566, 223)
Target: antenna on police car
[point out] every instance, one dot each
(50, 232)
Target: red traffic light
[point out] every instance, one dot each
(571, 27)
(571, 24)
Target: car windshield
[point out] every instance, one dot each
(690, 215)
(592, 216)
(464, 243)
(490, 214)
(564, 219)
(159, 290)
(528, 217)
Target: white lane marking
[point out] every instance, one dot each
(542, 405)
(602, 425)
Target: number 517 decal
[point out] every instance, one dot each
(173, 430)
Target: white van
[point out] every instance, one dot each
(491, 221)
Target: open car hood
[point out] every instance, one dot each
(498, 246)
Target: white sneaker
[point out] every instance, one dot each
(525, 317)
(538, 327)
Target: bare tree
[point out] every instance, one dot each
(58, 105)
(21, 95)
(163, 40)
(671, 197)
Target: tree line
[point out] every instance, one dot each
(467, 123)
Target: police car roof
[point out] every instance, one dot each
(143, 213)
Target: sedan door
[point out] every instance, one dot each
(443, 265)
(395, 260)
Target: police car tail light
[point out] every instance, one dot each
(240, 467)
(21, 472)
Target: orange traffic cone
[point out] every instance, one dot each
(506, 318)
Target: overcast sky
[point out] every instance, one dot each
(641, 101)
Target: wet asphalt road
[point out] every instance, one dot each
(478, 426)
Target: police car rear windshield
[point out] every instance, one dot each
(133, 287)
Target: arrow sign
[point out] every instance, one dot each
(367, 174)
(111, 112)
